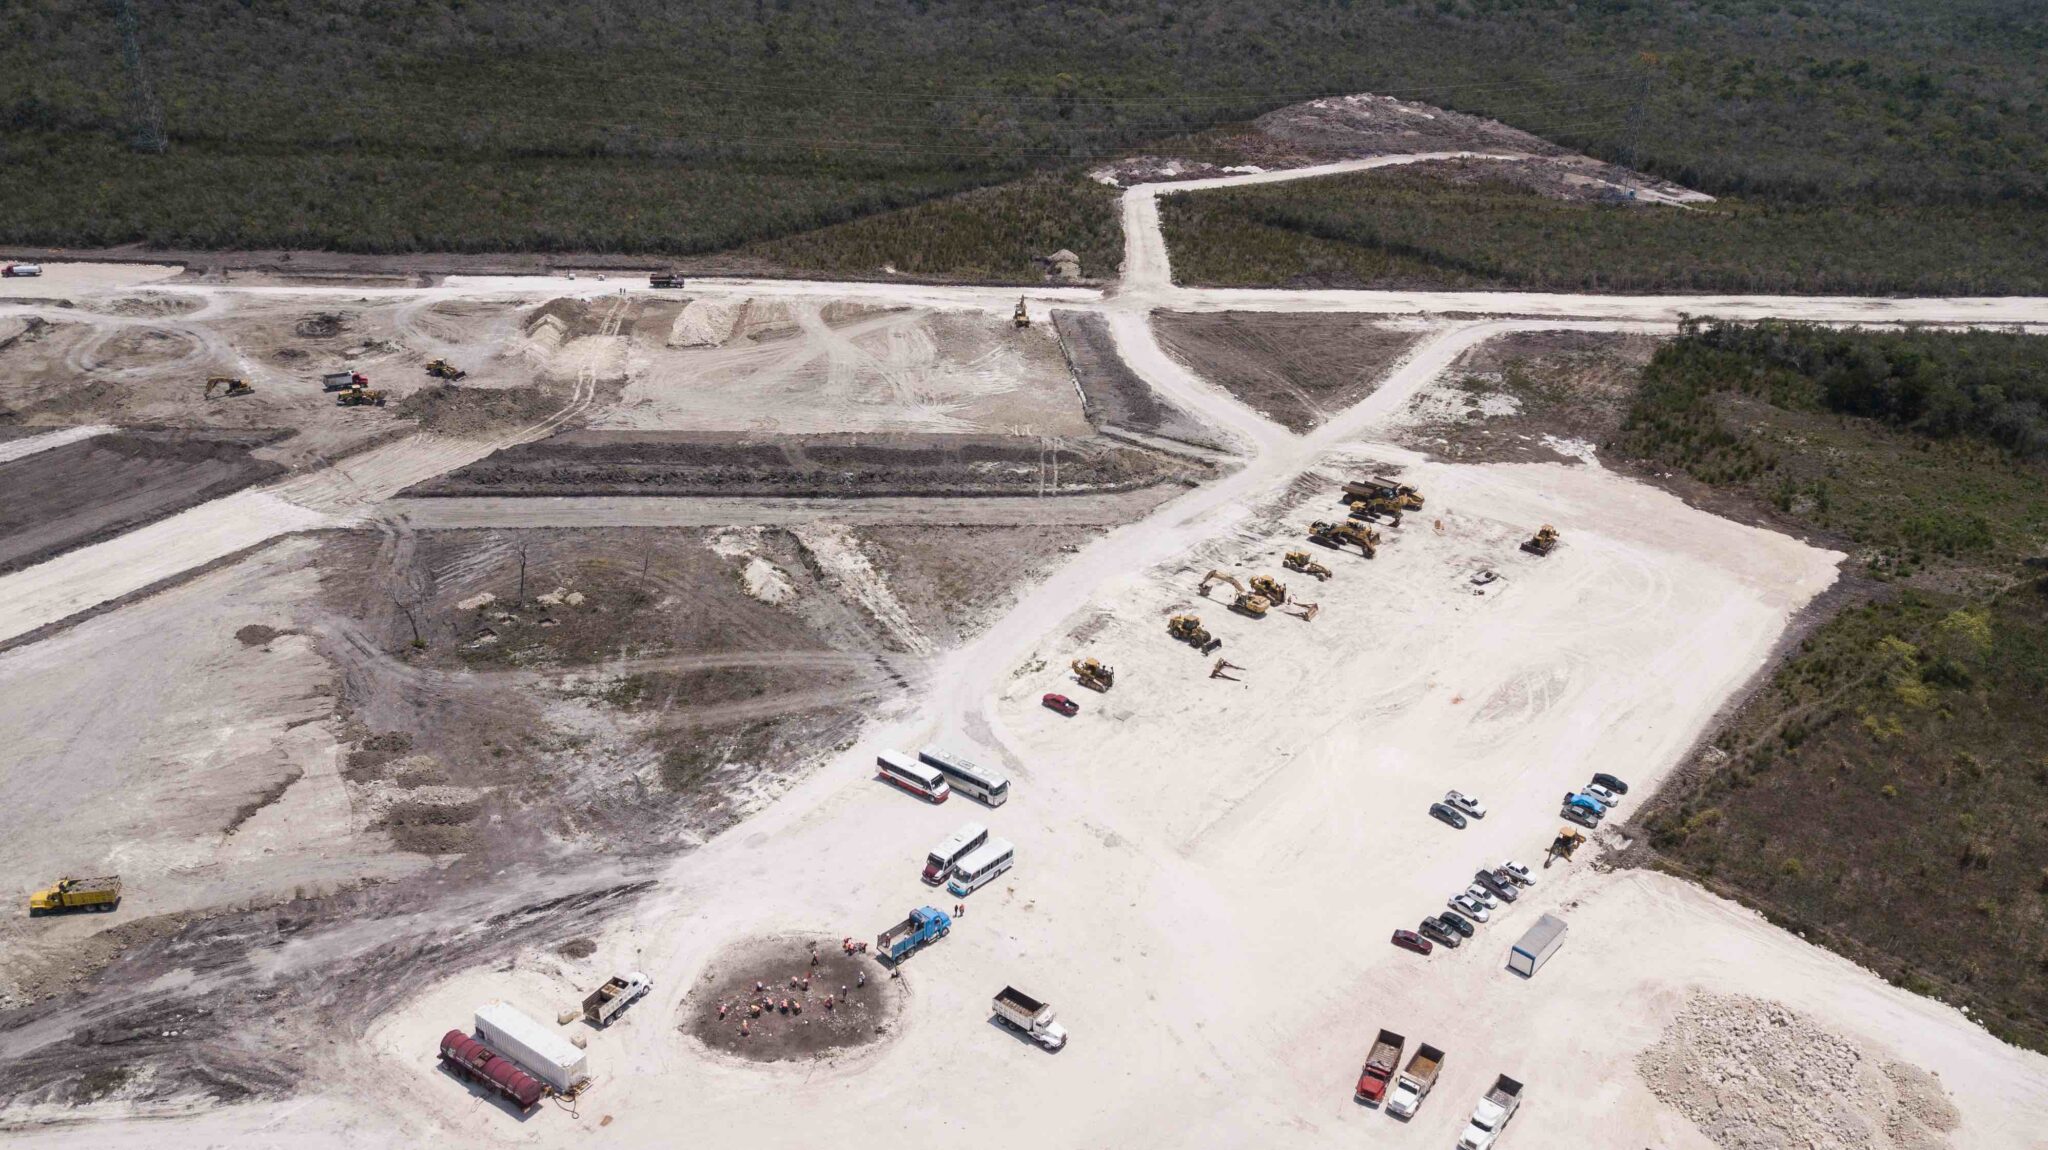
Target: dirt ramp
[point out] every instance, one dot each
(1754, 1075)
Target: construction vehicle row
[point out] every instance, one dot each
(96, 894)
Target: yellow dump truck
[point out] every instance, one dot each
(77, 894)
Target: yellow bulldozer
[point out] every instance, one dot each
(1543, 542)
(1094, 674)
(1021, 317)
(1300, 561)
(1188, 629)
(1336, 536)
(358, 397)
(442, 369)
(234, 386)
(1270, 589)
(1376, 509)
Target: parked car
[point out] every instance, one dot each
(1519, 873)
(1409, 940)
(1482, 896)
(1434, 929)
(1456, 922)
(1445, 814)
(1062, 704)
(1466, 803)
(1607, 798)
(1611, 783)
(1586, 803)
(1471, 906)
(1500, 884)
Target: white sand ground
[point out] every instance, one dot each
(1209, 870)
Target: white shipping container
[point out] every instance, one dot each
(546, 1055)
(1527, 956)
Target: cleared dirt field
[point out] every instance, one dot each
(1293, 369)
(1528, 397)
(864, 466)
(99, 487)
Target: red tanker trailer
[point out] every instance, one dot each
(480, 1063)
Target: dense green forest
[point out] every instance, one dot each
(636, 125)
(1411, 228)
(1886, 792)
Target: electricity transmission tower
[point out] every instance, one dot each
(145, 112)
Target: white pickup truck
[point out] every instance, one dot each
(1491, 1114)
(1033, 1018)
(605, 1003)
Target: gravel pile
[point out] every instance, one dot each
(1753, 1075)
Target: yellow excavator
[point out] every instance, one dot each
(1247, 602)
(1094, 674)
(1188, 629)
(234, 386)
(1299, 561)
(1021, 317)
(358, 397)
(442, 369)
(1543, 543)
(1336, 535)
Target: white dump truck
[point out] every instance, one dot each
(1413, 1085)
(1031, 1017)
(1491, 1115)
(536, 1048)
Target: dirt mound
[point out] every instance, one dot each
(1368, 125)
(767, 1000)
(322, 324)
(1753, 1075)
(456, 410)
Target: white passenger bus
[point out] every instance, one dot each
(981, 866)
(967, 778)
(920, 780)
(939, 863)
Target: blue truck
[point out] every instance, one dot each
(925, 924)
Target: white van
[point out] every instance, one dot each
(981, 866)
(920, 780)
(978, 782)
(939, 863)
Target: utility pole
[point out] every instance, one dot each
(145, 112)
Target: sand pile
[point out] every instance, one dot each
(1753, 1075)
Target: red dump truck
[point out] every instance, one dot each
(484, 1066)
(1380, 1066)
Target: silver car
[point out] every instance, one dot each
(1482, 896)
(1470, 906)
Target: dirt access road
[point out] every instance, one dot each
(1208, 870)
